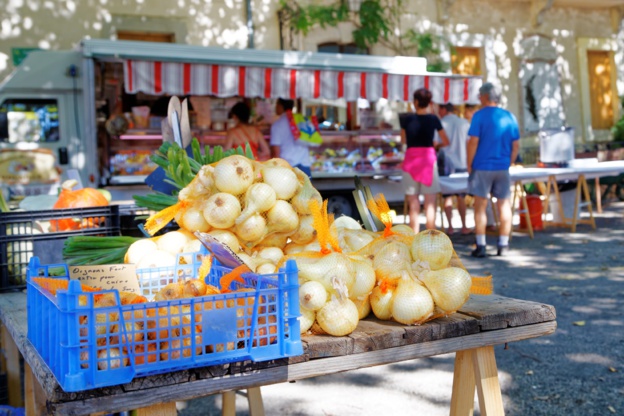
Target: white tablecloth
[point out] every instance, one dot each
(458, 182)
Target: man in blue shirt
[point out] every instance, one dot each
(492, 147)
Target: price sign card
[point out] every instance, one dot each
(109, 276)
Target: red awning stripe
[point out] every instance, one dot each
(178, 78)
(268, 72)
(241, 81)
(158, 77)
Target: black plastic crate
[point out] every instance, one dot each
(26, 234)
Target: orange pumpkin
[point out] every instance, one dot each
(80, 198)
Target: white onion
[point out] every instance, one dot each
(192, 246)
(274, 254)
(434, 247)
(412, 303)
(312, 295)
(234, 174)
(252, 229)
(226, 237)
(313, 246)
(248, 260)
(334, 271)
(450, 287)
(403, 229)
(306, 320)
(392, 260)
(140, 248)
(278, 240)
(172, 242)
(266, 268)
(156, 258)
(339, 317)
(193, 220)
(259, 198)
(363, 306)
(282, 218)
(277, 162)
(354, 240)
(221, 210)
(307, 193)
(364, 279)
(347, 222)
(381, 302)
(283, 180)
(305, 232)
(292, 248)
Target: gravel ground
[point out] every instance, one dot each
(577, 371)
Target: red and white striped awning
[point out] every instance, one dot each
(178, 78)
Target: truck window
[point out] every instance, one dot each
(29, 120)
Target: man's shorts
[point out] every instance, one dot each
(411, 187)
(482, 183)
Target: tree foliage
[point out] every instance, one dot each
(376, 21)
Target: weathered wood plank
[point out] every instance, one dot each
(301, 371)
(496, 312)
(370, 339)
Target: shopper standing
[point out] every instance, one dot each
(245, 133)
(492, 146)
(454, 154)
(283, 143)
(420, 174)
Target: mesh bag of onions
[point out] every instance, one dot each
(255, 208)
(419, 277)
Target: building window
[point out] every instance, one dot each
(466, 61)
(146, 36)
(600, 89)
(347, 48)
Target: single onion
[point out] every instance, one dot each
(449, 287)
(392, 260)
(274, 254)
(266, 268)
(282, 180)
(412, 303)
(354, 240)
(301, 201)
(335, 271)
(172, 242)
(306, 320)
(193, 219)
(259, 198)
(222, 210)
(305, 232)
(278, 240)
(140, 248)
(234, 174)
(282, 218)
(363, 306)
(226, 237)
(338, 317)
(381, 302)
(312, 295)
(403, 229)
(252, 229)
(347, 222)
(155, 259)
(364, 279)
(434, 247)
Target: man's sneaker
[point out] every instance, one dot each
(502, 250)
(478, 252)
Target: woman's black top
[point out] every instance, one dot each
(420, 129)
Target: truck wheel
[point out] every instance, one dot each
(341, 205)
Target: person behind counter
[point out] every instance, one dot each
(283, 143)
(244, 133)
(420, 174)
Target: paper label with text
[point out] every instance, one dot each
(122, 277)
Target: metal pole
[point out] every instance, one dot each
(250, 27)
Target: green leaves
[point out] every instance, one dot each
(376, 22)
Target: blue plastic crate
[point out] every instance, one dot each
(87, 347)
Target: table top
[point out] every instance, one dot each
(458, 182)
(482, 321)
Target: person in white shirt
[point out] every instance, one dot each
(454, 160)
(283, 143)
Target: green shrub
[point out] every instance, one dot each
(618, 131)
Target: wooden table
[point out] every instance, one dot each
(484, 321)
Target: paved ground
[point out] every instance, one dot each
(578, 371)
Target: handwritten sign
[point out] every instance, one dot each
(110, 276)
